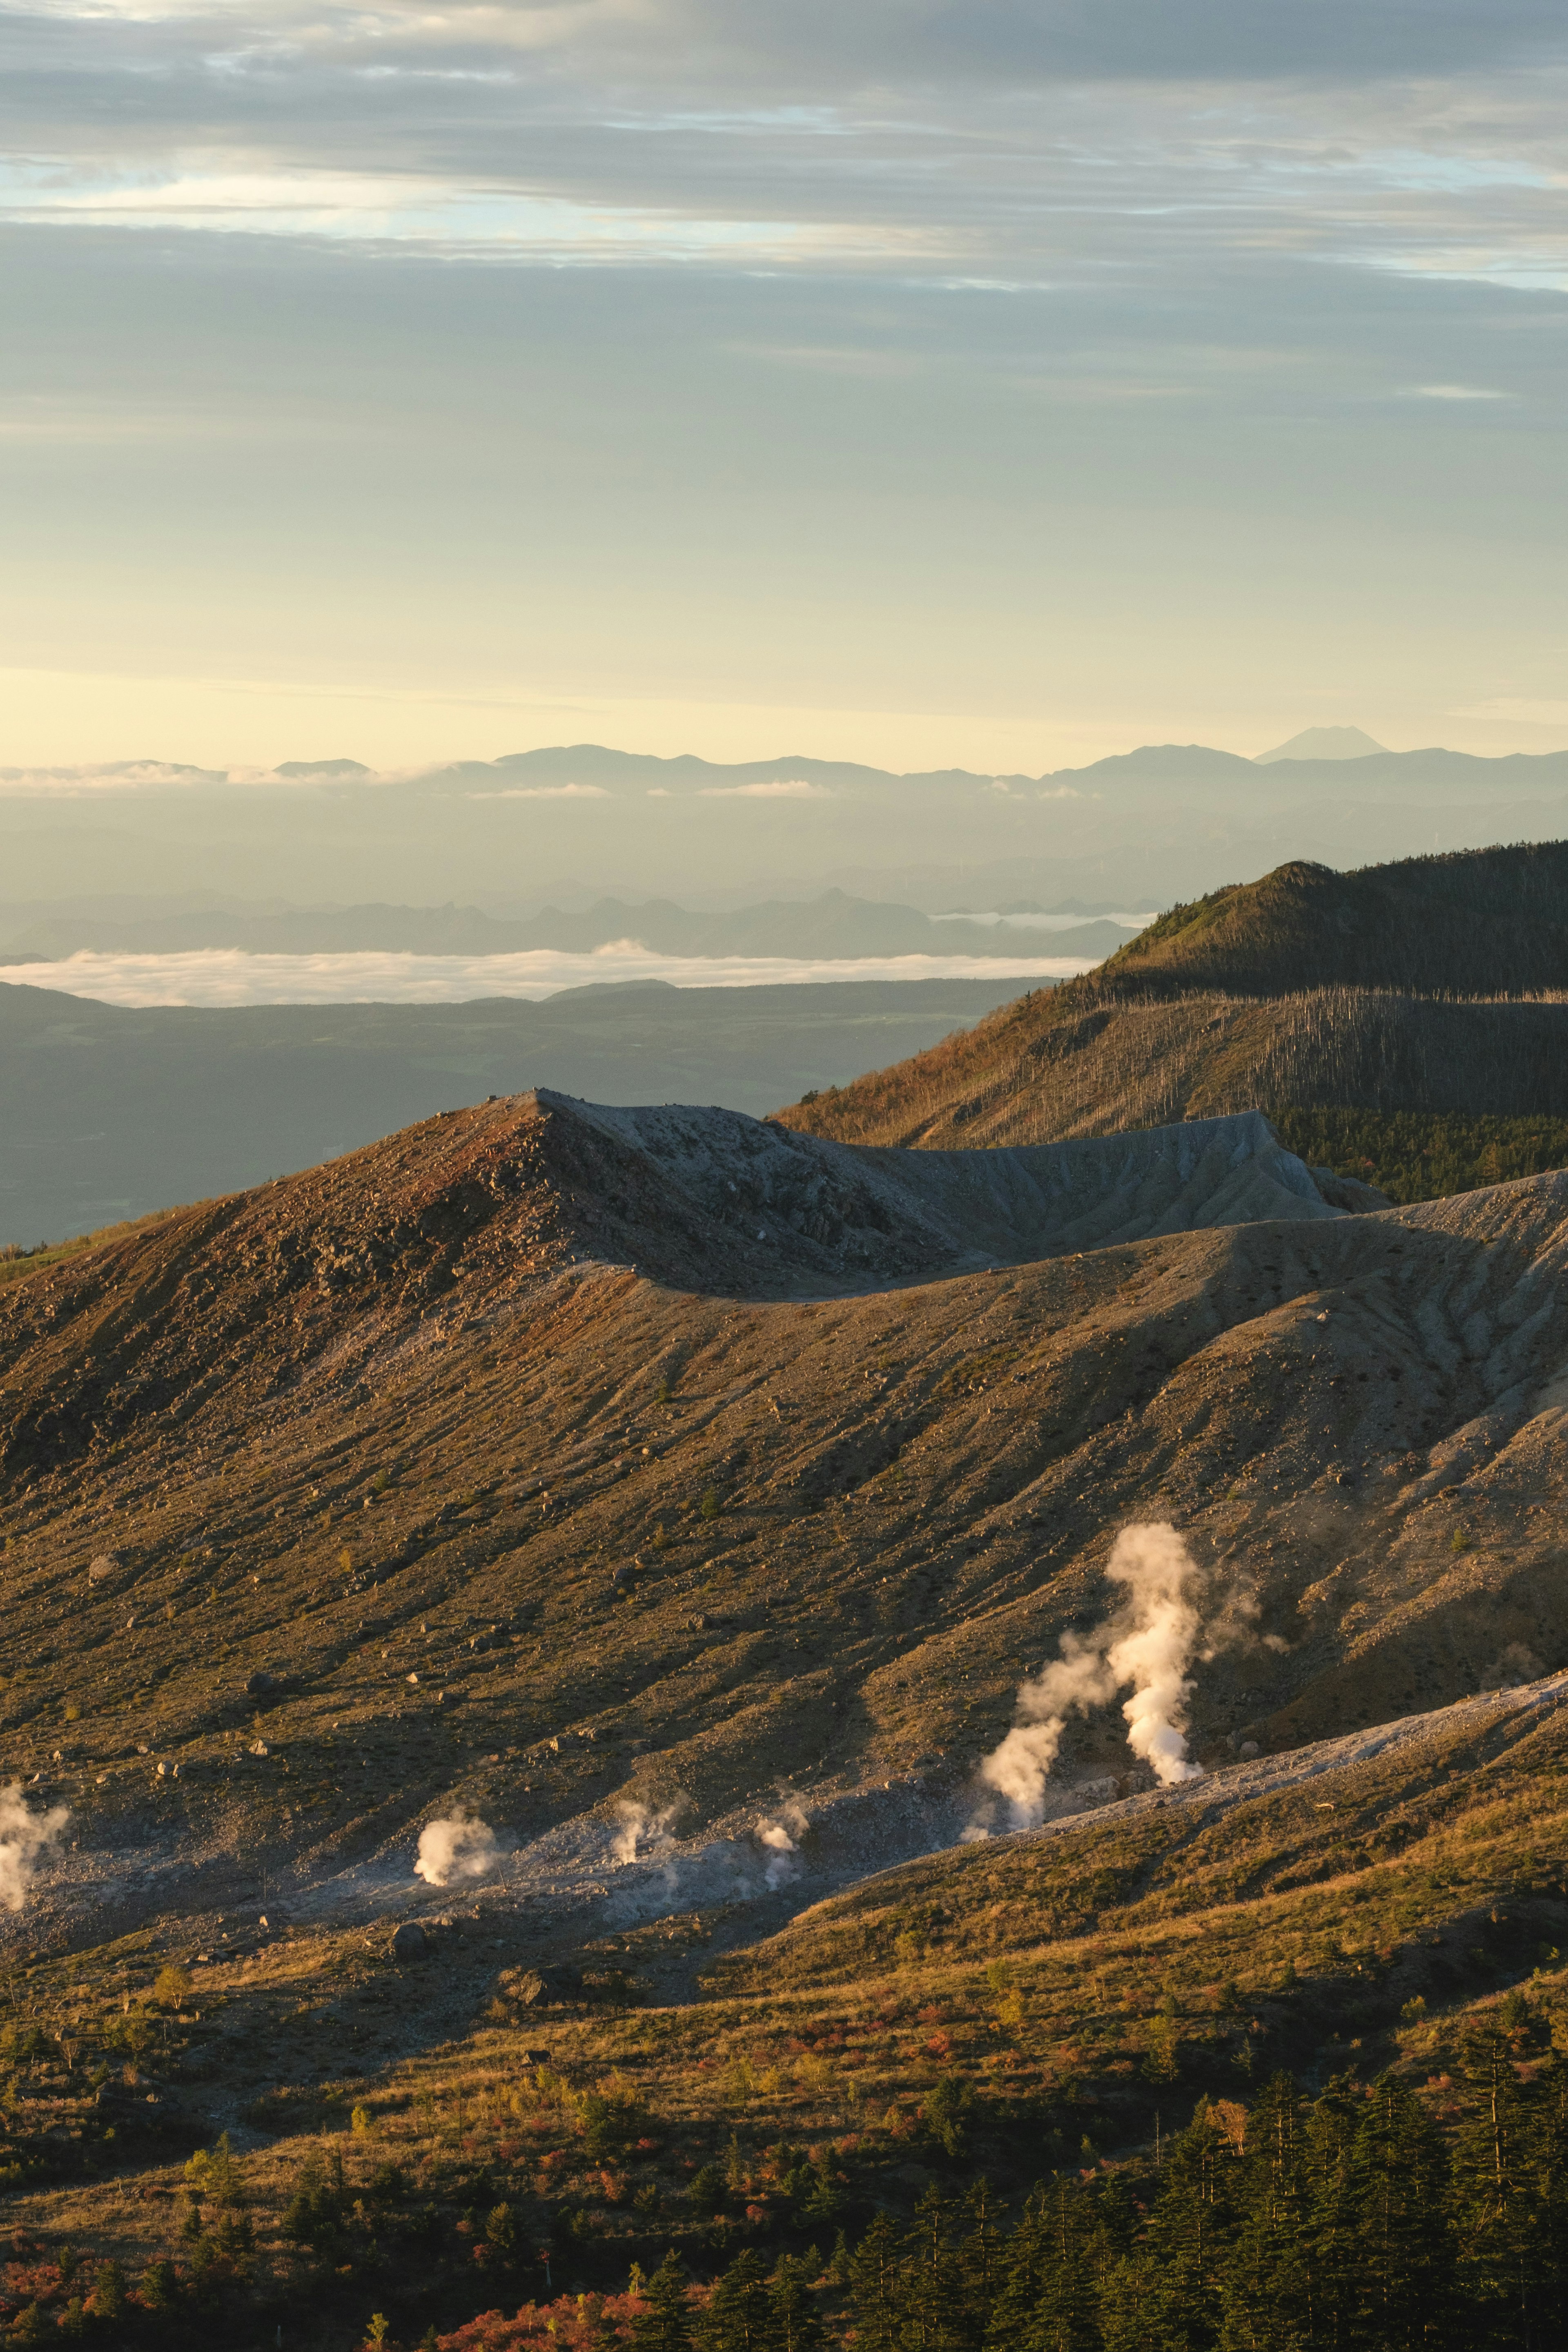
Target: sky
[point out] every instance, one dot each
(998, 384)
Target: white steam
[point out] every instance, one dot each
(1148, 1642)
(778, 1838)
(457, 1847)
(25, 1837)
(644, 1836)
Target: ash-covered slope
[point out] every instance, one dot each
(318, 1276)
(403, 1466)
(709, 1198)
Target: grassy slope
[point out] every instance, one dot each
(1380, 994)
(1056, 1993)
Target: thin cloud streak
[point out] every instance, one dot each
(221, 976)
(1012, 144)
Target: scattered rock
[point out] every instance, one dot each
(536, 1988)
(262, 1684)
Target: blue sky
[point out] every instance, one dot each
(996, 384)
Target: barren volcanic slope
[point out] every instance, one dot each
(698, 1540)
(1426, 987)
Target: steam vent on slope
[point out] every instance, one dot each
(561, 1519)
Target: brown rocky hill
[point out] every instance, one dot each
(408, 1456)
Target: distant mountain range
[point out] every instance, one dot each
(569, 824)
(833, 926)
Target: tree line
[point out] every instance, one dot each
(1309, 2224)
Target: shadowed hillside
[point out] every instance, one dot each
(1429, 988)
(1480, 922)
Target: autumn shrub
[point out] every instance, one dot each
(172, 1987)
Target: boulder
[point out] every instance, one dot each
(410, 1942)
(533, 1988)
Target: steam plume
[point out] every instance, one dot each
(778, 1837)
(23, 1838)
(644, 1836)
(1148, 1642)
(457, 1847)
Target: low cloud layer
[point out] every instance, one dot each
(233, 976)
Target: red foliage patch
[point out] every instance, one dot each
(563, 2326)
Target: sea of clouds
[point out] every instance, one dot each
(220, 976)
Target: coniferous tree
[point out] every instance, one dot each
(1267, 2299)
(1551, 2146)
(979, 2262)
(1173, 2286)
(1502, 2196)
(739, 2317)
(1126, 2297)
(932, 2307)
(1398, 2189)
(1333, 2245)
(1077, 2238)
(1020, 2271)
(666, 2324)
(874, 2284)
(795, 2321)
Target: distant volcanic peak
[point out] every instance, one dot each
(1324, 743)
